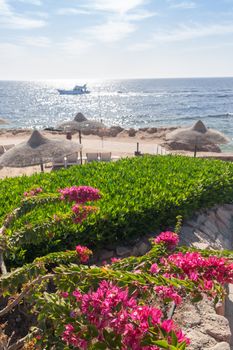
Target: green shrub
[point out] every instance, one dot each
(140, 195)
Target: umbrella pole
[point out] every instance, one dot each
(80, 141)
(195, 151)
(42, 167)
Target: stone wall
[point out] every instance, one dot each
(207, 229)
(212, 229)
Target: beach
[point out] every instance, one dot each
(120, 146)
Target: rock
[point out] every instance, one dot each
(224, 216)
(143, 129)
(135, 251)
(192, 317)
(199, 340)
(220, 308)
(114, 131)
(202, 236)
(207, 232)
(200, 219)
(152, 130)
(224, 241)
(123, 251)
(131, 132)
(217, 327)
(220, 346)
(222, 228)
(228, 207)
(106, 254)
(211, 226)
(143, 248)
(201, 245)
(186, 231)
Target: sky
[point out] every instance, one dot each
(105, 39)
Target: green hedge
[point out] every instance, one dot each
(140, 195)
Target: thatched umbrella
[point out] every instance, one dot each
(197, 134)
(3, 121)
(81, 123)
(80, 118)
(37, 150)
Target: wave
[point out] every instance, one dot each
(224, 115)
(194, 118)
(224, 96)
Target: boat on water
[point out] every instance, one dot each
(77, 90)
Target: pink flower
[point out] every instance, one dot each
(33, 192)
(154, 268)
(113, 308)
(77, 295)
(169, 293)
(170, 239)
(82, 211)
(64, 294)
(168, 325)
(83, 253)
(80, 194)
(114, 260)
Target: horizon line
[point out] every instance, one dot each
(122, 78)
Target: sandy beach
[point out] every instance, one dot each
(120, 146)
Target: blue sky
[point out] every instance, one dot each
(65, 39)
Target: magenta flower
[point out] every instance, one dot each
(64, 294)
(154, 268)
(168, 292)
(33, 192)
(83, 253)
(80, 194)
(170, 239)
(113, 308)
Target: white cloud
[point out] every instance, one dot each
(72, 11)
(10, 19)
(36, 41)
(74, 46)
(111, 31)
(20, 22)
(184, 5)
(116, 6)
(32, 2)
(194, 31)
(140, 15)
(184, 33)
(4, 8)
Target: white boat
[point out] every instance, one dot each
(77, 90)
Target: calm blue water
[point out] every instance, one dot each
(140, 103)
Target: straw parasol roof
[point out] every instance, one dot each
(80, 118)
(37, 150)
(3, 121)
(197, 134)
(81, 123)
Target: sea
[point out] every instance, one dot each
(134, 103)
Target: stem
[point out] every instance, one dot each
(10, 306)
(2, 264)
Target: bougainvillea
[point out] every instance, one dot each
(80, 194)
(33, 192)
(83, 252)
(170, 239)
(110, 315)
(81, 212)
